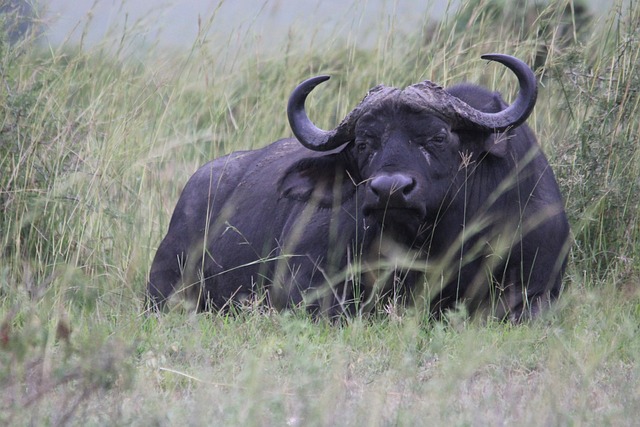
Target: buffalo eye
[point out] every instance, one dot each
(439, 138)
(432, 141)
(364, 142)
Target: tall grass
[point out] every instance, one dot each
(96, 144)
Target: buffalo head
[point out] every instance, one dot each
(404, 145)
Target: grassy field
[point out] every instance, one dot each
(96, 144)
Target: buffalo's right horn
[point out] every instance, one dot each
(303, 128)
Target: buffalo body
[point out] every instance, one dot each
(420, 196)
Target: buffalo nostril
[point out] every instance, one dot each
(388, 186)
(408, 188)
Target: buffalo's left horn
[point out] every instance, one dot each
(512, 116)
(303, 128)
(463, 116)
(518, 112)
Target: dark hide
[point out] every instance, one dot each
(410, 211)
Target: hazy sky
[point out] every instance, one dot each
(175, 22)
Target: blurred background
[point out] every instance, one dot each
(177, 23)
(108, 106)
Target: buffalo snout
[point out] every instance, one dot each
(392, 191)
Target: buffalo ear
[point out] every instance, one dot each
(322, 180)
(497, 144)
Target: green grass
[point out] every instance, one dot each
(96, 144)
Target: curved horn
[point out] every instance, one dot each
(303, 128)
(519, 111)
(463, 116)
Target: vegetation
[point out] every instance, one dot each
(96, 144)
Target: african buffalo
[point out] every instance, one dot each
(420, 196)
